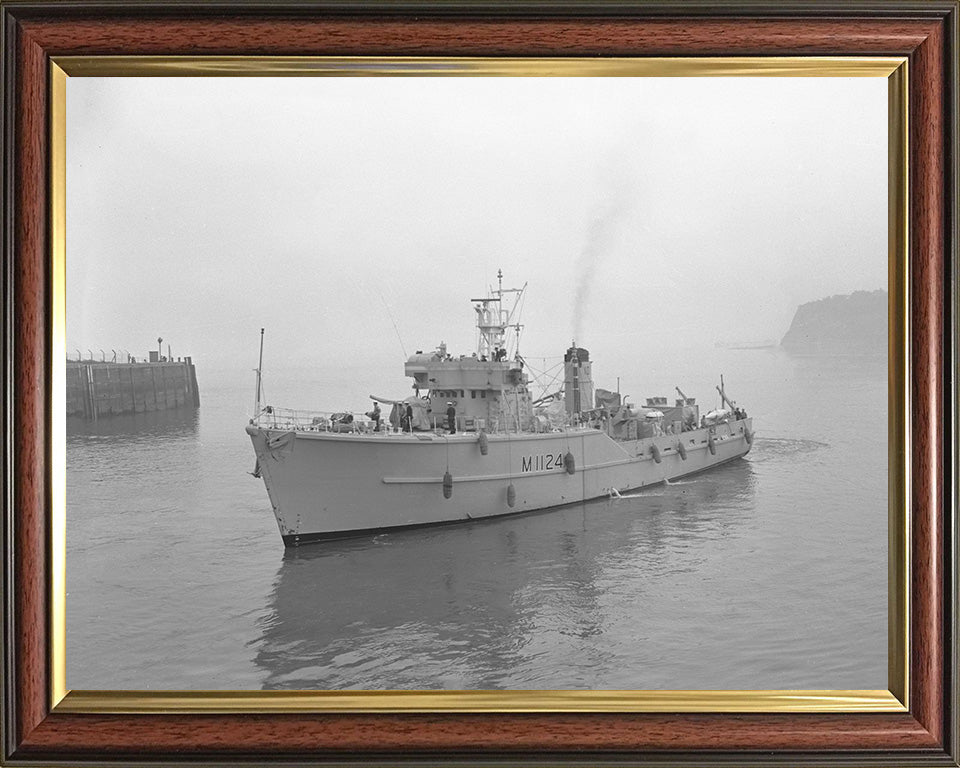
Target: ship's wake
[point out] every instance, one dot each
(649, 490)
(774, 448)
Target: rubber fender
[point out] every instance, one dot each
(656, 453)
(682, 450)
(511, 496)
(712, 445)
(484, 445)
(569, 463)
(447, 485)
(748, 435)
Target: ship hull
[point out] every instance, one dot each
(325, 485)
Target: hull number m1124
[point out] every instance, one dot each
(541, 463)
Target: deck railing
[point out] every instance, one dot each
(318, 421)
(345, 422)
(272, 417)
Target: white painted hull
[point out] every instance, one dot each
(325, 485)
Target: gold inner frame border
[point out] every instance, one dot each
(894, 699)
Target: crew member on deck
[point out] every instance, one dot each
(408, 415)
(451, 418)
(375, 415)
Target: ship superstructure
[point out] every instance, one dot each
(489, 388)
(472, 441)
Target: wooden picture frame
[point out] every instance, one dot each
(35, 34)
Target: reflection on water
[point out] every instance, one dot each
(769, 572)
(476, 605)
(137, 427)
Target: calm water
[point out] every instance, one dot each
(769, 572)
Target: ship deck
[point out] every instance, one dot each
(412, 437)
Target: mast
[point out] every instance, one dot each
(256, 405)
(493, 321)
(723, 395)
(500, 294)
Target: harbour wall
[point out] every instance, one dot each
(96, 390)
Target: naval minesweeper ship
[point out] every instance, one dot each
(472, 442)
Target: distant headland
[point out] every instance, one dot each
(852, 324)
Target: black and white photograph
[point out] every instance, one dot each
(477, 383)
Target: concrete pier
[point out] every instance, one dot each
(96, 390)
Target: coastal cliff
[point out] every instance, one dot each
(854, 324)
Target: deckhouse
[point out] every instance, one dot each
(489, 388)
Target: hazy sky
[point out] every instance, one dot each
(643, 212)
